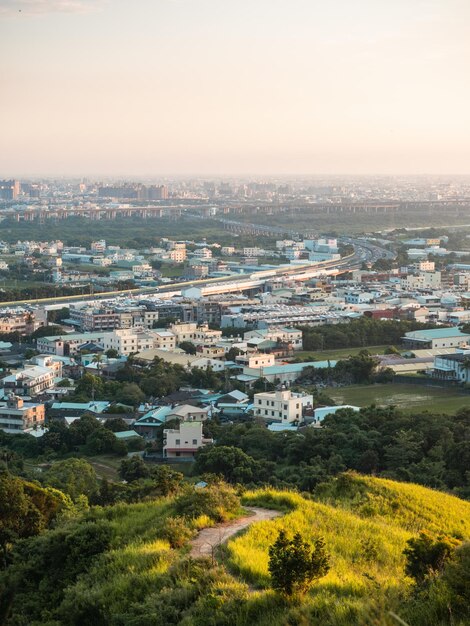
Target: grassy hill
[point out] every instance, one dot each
(127, 565)
(365, 522)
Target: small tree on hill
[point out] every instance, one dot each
(295, 565)
(426, 555)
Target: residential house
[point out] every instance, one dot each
(184, 441)
(281, 406)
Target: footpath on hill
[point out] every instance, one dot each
(210, 538)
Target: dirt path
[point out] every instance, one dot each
(210, 538)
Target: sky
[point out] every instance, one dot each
(234, 87)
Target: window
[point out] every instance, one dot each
(194, 442)
(285, 407)
(177, 442)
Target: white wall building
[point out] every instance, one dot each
(281, 406)
(184, 441)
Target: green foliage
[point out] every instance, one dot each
(294, 565)
(432, 450)
(76, 477)
(232, 463)
(427, 555)
(188, 347)
(219, 502)
(360, 332)
(133, 468)
(25, 510)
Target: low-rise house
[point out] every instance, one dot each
(255, 360)
(281, 406)
(188, 413)
(184, 441)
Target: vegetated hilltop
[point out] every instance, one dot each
(127, 564)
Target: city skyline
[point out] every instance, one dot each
(222, 88)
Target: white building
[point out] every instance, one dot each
(281, 406)
(424, 280)
(164, 339)
(128, 341)
(202, 253)
(184, 441)
(255, 360)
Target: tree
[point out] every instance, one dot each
(75, 477)
(457, 578)
(426, 555)
(294, 565)
(232, 463)
(188, 347)
(112, 353)
(133, 468)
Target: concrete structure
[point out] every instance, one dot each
(281, 406)
(17, 416)
(128, 341)
(29, 382)
(255, 360)
(184, 441)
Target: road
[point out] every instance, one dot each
(211, 538)
(364, 251)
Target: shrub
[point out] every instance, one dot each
(219, 502)
(177, 531)
(294, 565)
(426, 555)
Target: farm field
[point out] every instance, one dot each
(406, 397)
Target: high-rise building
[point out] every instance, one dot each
(9, 189)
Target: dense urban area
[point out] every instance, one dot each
(185, 359)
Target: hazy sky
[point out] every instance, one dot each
(234, 86)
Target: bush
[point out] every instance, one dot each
(294, 565)
(177, 531)
(426, 555)
(219, 502)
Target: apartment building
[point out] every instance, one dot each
(17, 416)
(283, 406)
(424, 280)
(128, 341)
(184, 441)
(197, 334)
(30, 381)
(178, 255)
(23, 323)
(93, 319)
(164, 339)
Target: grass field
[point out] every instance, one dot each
(341, 353)
(406, 397)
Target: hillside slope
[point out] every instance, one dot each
(128, 565)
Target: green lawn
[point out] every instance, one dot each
(407, 397)
(341, 353)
